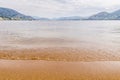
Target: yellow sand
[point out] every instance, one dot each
(59, 54)
(57, 70)
(59, 64)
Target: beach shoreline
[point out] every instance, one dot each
(59, 54)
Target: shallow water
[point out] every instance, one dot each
(85, 34)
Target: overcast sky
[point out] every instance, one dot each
(58, 8)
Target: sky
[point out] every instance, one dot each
(61, 8)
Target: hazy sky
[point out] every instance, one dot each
(58, 8)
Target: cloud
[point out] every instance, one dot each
(56, 8)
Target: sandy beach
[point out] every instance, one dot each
(59, 54)
(54, 70)
(58, 64)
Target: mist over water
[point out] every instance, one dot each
(84, 34)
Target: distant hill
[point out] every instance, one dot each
(106, 16)
(70, 18)
(99, 16)
(10, 14)
(41, 18)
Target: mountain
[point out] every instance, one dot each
(115, 15)
(106, 16)
(99, 16)
(70, 18)
(10, 14)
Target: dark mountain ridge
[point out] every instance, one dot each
(106, 16)
(10, 14)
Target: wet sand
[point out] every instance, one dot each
(59, 54)
(58, 70)
(58, 64)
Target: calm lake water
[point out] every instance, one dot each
(84, 34)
